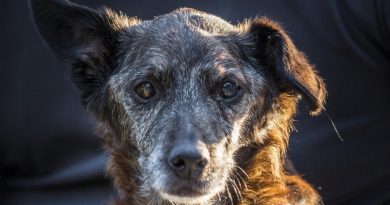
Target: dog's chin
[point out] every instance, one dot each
(187, 199)
(185, 195)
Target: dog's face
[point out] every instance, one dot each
(187, 96)
(186, 89)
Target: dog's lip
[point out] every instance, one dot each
(185, 190)
(186, 196)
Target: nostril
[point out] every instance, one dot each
(178, 163)
(203, 163)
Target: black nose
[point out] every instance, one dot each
(188, 161)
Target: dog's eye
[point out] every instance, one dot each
(229, 89)
(145, 90)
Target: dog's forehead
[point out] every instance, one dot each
(198, 20)
(184, 38)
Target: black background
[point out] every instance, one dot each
(49, 153)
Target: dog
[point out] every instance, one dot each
(192, 109)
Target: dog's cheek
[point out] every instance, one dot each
(146, 126)
(154, 171)
(155, 144)
(221, 166)
(238, 123)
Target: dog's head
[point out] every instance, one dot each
(186, 90)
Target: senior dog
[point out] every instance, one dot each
(192, 109)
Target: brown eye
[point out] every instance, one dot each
(145, 90)
(229, 90)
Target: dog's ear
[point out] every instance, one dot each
(276, 52)
(83, 37)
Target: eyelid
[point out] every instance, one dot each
(234, 78)
(160, 76)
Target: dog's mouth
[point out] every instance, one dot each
(185, 192)
(194, 199)
(189, 193)
(186, 195)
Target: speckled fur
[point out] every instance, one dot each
(188, 53)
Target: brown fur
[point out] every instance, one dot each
(268, 182)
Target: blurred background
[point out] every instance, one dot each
(49, 153)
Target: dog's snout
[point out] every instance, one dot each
(189, 160)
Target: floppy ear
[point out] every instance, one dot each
(85, 38)
(276, 52)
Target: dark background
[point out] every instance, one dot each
(49, 153)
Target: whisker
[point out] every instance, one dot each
(229, 195)
(240, 179)
(236, 190)
(243, 171)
